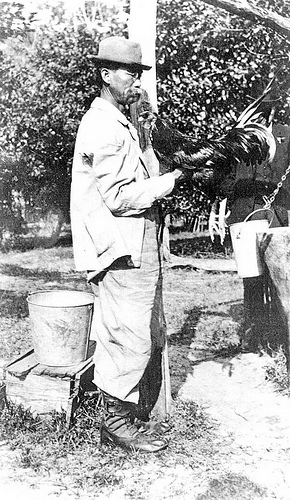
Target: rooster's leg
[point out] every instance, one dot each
(217, 219)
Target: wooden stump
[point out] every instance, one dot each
(275, 250)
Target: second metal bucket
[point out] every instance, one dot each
(60, 324)
(246, 250)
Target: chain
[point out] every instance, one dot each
(268, 201)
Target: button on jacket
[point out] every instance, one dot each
(110, 189)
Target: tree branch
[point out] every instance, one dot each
(246, 9)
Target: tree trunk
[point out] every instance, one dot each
(248, 10)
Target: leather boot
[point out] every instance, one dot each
(118, 428)
(147, 423)
(153, 426)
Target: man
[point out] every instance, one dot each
(115, 228)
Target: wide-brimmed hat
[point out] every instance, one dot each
(116, 49)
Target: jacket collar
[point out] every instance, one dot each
(103, 105)
(106, 106)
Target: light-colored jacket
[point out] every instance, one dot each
(110, 189)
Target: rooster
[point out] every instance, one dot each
(209, 165)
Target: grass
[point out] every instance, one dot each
(204, 315)
(196, 456)
(200, 245)
(276, 371)
(45, 446)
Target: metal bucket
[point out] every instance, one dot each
(60, 323)
(246, 250)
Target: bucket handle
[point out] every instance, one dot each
(250, 215)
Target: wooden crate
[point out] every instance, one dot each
(43, 389)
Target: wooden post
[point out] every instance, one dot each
(142, 29)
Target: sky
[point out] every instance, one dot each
(44, 14)
(69, 4)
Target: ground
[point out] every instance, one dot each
(234, 393)
(243, 452)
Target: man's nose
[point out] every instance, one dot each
(137, 82)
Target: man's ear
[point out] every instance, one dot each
(105, 74)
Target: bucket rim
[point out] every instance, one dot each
(248, 222)
(247, 219)
(39, 292)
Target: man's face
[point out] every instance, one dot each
(124, 85)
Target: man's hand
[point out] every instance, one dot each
(179, 174)
(148, 119)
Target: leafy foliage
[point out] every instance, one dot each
(50, 95)
(14, 26)
(13, 22)
(209, 65)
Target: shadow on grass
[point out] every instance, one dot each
(64, 241)
(13, 304)
(185, 335)
(231, 486)
(221, 338)
(179, 348)
(14, 270)
(199, 246)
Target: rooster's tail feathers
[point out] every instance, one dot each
(249, 113)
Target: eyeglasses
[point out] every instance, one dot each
(135, 75)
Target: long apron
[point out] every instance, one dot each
(129, 323)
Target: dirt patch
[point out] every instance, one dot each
(234, 392)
